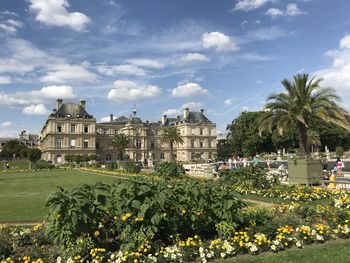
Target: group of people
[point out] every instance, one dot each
(234, 163)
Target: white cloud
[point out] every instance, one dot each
(172, 112)
(337, 75)
(55, 13)
(8, 29)
(244, 108)
(248, 5)
(44, 95)
(193, 105)
(188, 90)
(345, 42)
(147, 63)
(219, 41)
(274, 12)
(121, 69)
(14, 23)
(39, 109)
(265, 33)
(107, 119)
(293, 10)
(5, 80)
(7, 12)
(63, 73)
(7, 124)
(228, 102)
(194, 57)
(130, 90)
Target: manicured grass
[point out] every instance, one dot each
(332, 251)
(17, 165)
(23, 195)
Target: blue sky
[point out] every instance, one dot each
(224, 56)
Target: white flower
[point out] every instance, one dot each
(299, 244)
(222, 255)
(59, 259)
(273, 248)
(173, 256)
(201, 249)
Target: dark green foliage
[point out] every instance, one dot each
(224, 149)
(34, 155)
(251, 177)
(5, 245)
(339, 150)
(111, 166)
(41, 164)
(13, 148)
(132, 167)
(131, 212)
(244, 137)
(169, 169)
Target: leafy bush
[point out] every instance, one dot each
(339, 151)
(132, 212)
(41, 164)
(5, 244)
(169, 169)
(251, 177)
(132, 167)
(111, 166)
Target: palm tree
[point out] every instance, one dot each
(171, 135)
(313, 139)
(119, 143)
(304, 100)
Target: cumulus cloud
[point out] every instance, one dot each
(228, 102)
(10, 26)
(194, 57)
(265, 33)
(5, 80)
(192, 105)
(130, 90)
(248, 5)
(293, 10)
(55, 13)
(121, 70)
(7, 124)
(147, 63)
(39, 109)
(188, 90)
(219, 41)
(41, 96)
(63, 73)
(337, 75)
(274, 12)
(172, 112)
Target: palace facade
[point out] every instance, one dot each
(70, 129)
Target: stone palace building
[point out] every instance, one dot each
(70, 129)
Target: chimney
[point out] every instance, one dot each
(201, 110)
(82, 103)
(186, 112)
(111, 117)
(59, 103)
(164, 119)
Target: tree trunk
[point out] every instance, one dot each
(303, 145)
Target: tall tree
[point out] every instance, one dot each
(119, 143)
(13, 148)
(171, 135)
(303, 101)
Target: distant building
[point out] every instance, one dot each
(70, 129)
(31, 140)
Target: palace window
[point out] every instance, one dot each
(138, 143)
(192, 144)
(108, 157)
(72, 143)
(59, 144)
(72, 128)
(201, 144)
(86, 128)
(161, 156)
(201, 132)
(152, 144)
(59, 128)
(86, 143)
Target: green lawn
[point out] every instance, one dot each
(17, 165)
(23, 195)
(333, 251)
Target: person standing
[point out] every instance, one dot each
(339, 165)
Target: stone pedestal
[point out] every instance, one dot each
(303, 171)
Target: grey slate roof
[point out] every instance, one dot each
(196, 117)
(135, 120)
(71, 110)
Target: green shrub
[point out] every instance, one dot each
(339, 151)
(251, 177)
(132, 167)
(111, 166)
(5, 244)
(131, 212)
(80, 247)
(169, 169)
(41, 164)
